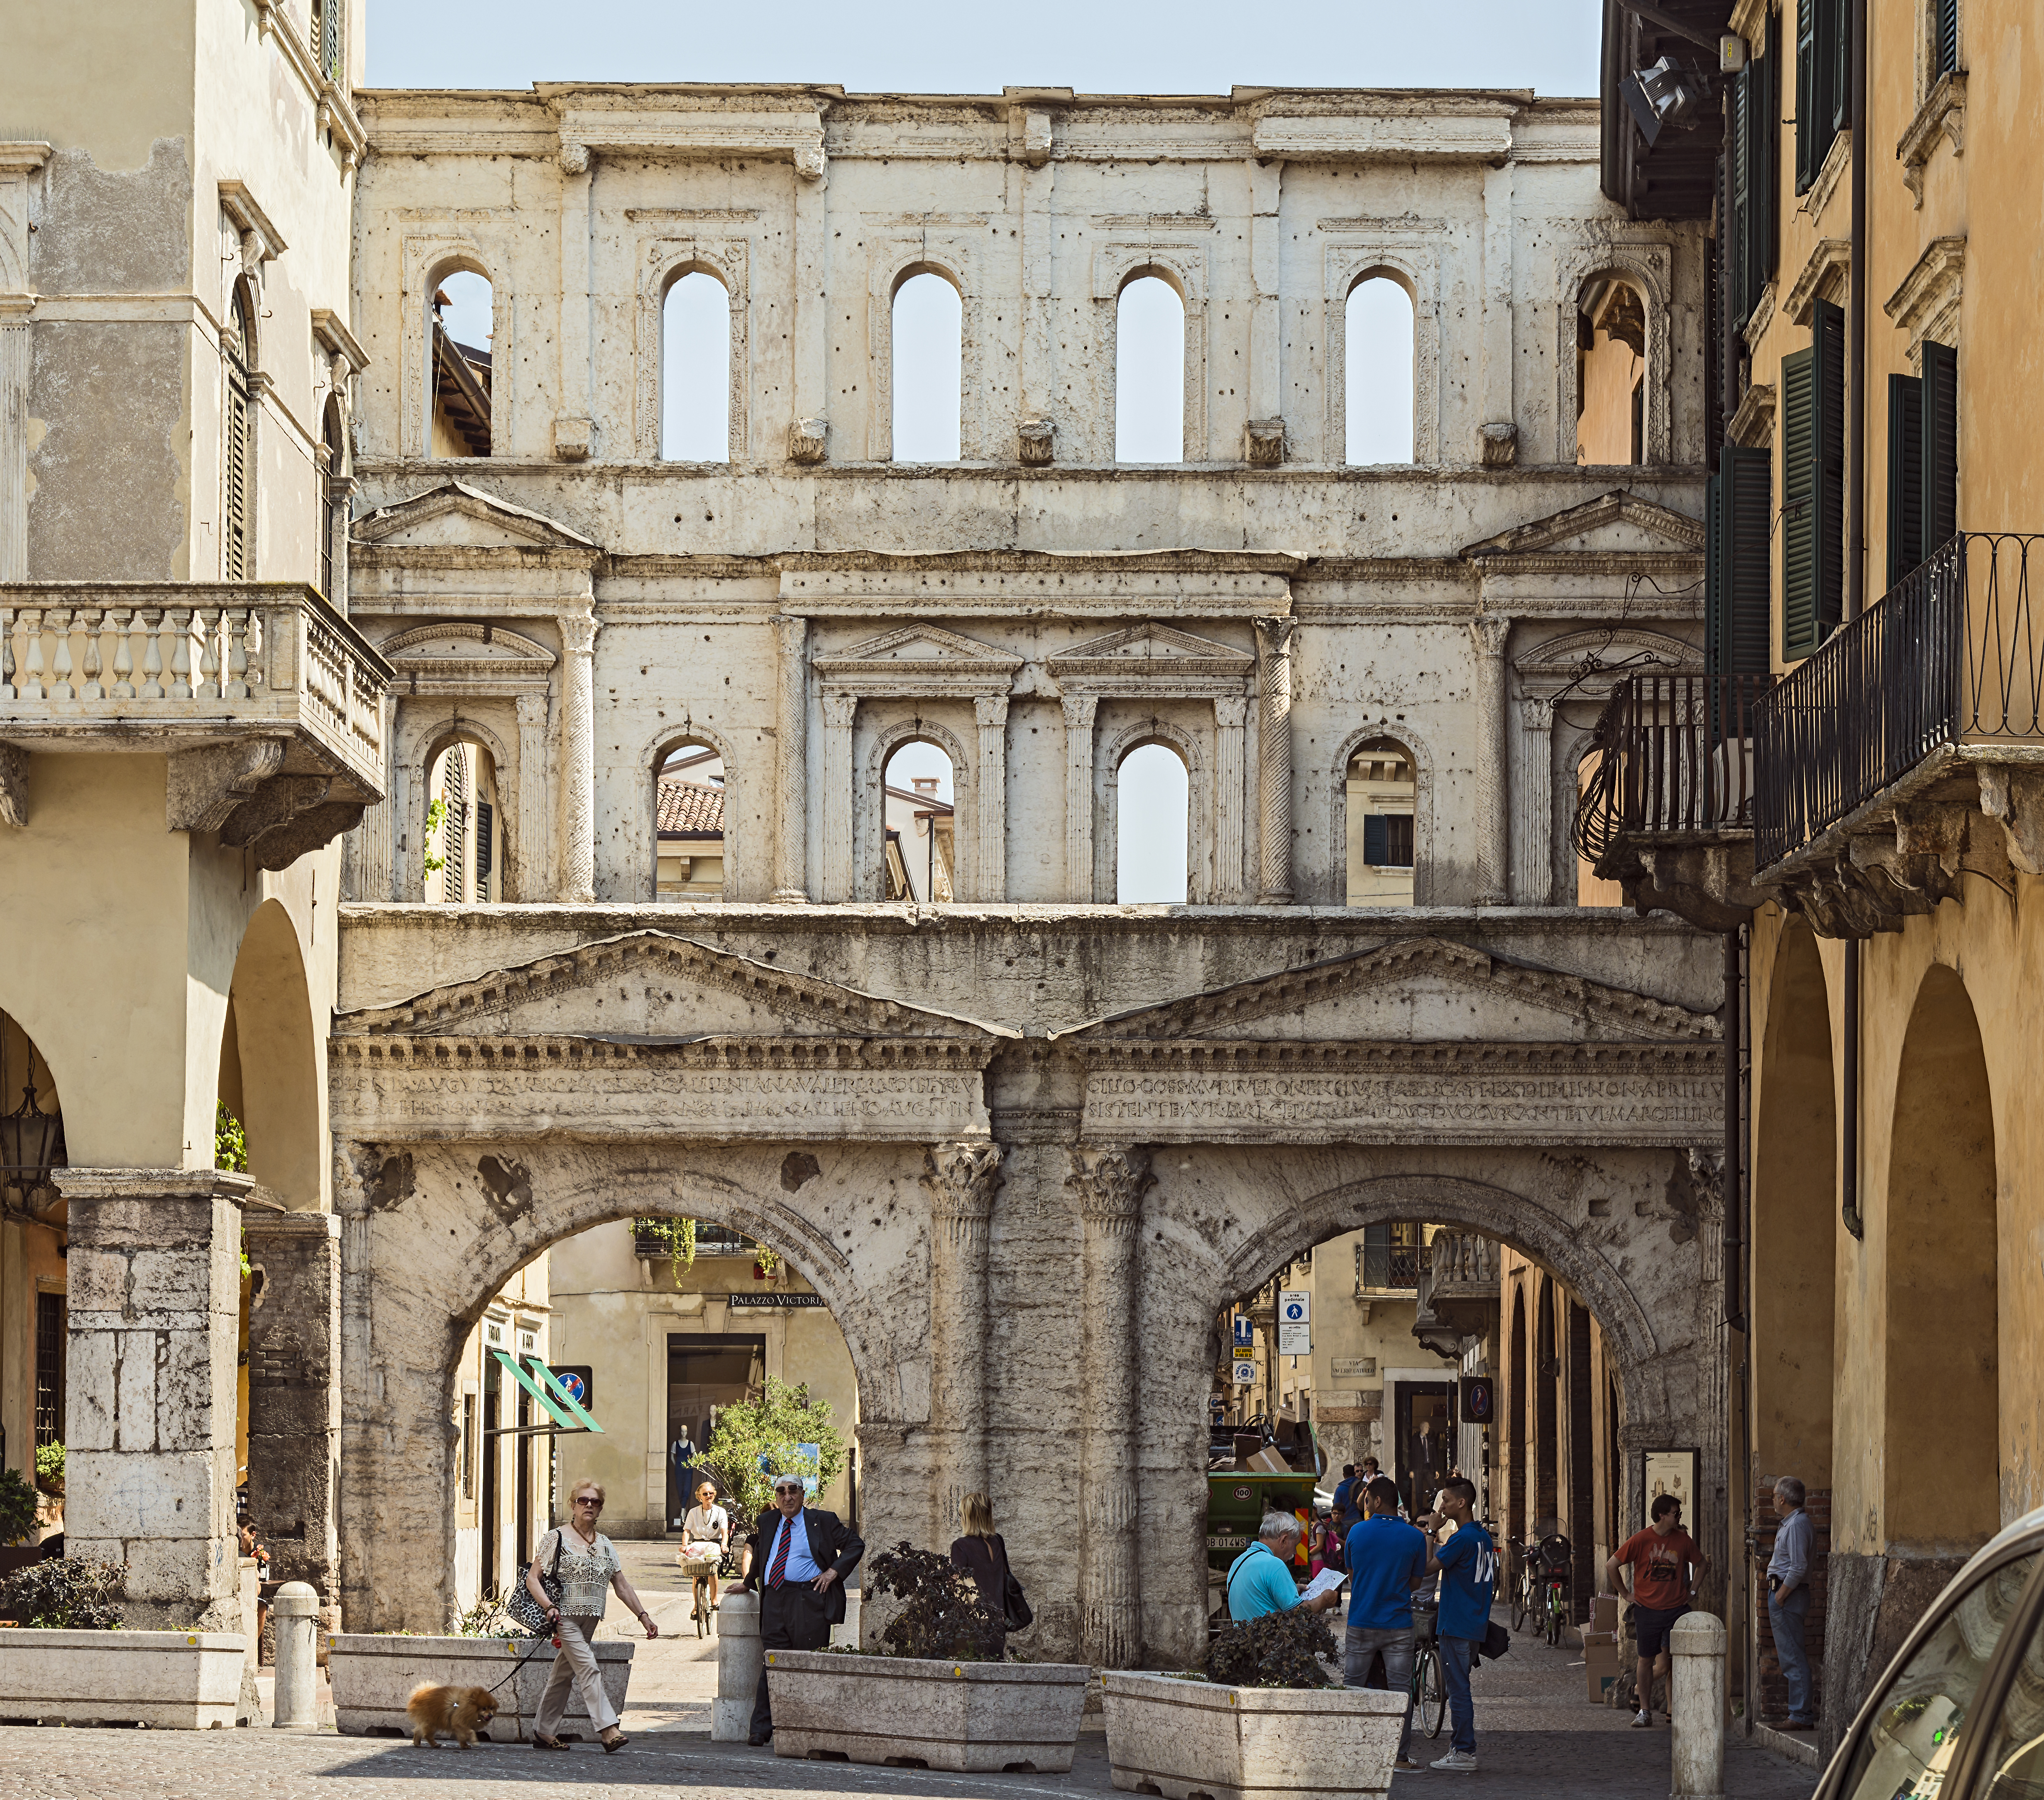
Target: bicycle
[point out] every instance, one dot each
(1525, 1584)
(1554, 1557)
(1430, 1692)
(699, 1569)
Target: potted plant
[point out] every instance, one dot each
(1263, 1719)
(932, 1693)
(50, 1469)
(68, 1658)
(20, 1508)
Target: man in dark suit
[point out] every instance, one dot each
(798, 1558)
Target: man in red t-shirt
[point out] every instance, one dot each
(1661, 1557)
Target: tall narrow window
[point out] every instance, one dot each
(326, 35)
(1611, 373)
(695, 370)
(1150, 373)
(464, 857)
(688, 806)
(1813, 486)
(1822, 94)
(49, 1369)
(1376, 332)
(1944, 37)
(921, 836)
(926, 357)
(332, 508)
(1152, 818)
(237, 447)
(458, 351)
(1380, 786)
(1754, 156)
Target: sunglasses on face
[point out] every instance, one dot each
(779, 1491)
(583, 1500)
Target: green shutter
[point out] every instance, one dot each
(1941, 445)
(1717, 624)
(1764, 156)
(1745, 506)
(1809, 97)
(1375, 851)
(1839, 51)
(1798, 520)
(1945, 43)
(1905, 475)
(1741, 290)
(1828, 340)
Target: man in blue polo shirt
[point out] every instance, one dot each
(1259, 1580)
(1387, 1559)
(1467, 1565)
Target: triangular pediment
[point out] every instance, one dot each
(923, 644)
(428, 648)
(455, 516)
(655, 987)
(1147, 646)
(1423, 990)
(1619, 523)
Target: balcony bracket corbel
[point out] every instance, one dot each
(13, 785)
(207, 785)
(2014, 798)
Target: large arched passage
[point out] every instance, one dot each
(270, 1064)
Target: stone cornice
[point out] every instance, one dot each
(1829, 254)
(1926, 303)
(156, 1184)
(1752, 425)
(1943, 113)
(962, 666)
(1512, 549)
(513, 1053)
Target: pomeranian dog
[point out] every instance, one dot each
(460, 1712)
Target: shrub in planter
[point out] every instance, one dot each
(1278, 1650)
(18, 1506)
(50, 1467)
(63, 1594)
(941, 1615)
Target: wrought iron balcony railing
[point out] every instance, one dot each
(1674, 754)
(1952, 655)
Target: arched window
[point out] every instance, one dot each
(1592, 890)
(695, 370)
(926, 356)
(1378, 334)
(1611, 378)
(332, 523)
(688, 822)
(920, 839)
(237, 505)
(1152, 820)
(1150, 373)
(457, 352)
(464, 833)
(1382, 785)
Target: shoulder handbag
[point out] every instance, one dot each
(526, 1611)
(1496, 1641)
(1016, 1614)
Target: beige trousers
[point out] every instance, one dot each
(574, 1667)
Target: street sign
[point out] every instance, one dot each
(1245, 1372)
(1479, 1400)
(1295, 1338)
(1294, 1306)
(1245, 1333)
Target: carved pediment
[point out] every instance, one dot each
(455, 516)
(1619, 523)
(462, 656)
(654, 988)
(919, 658)
(1146, 656)
(1424, 989)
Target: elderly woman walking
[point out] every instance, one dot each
(586, 1564)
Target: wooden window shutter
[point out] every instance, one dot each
(1741, 290)
(1716, 623)
(1827, 413)
(1799, 510)
(1839, 60)
(1811, 98)
(1905, 475)
(1945, 46)
(1941, 445)
(234, 534)
(330, 35)
(1746, 507)
(1763, 169)
(1376, 840)
(486, 846)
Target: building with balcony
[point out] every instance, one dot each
(1853, 787)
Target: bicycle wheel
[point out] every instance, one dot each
(1433, 1691)
(1554, 1615)
(702, 1607)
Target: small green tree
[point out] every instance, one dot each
(678, 1235)
(18, 1507)
(50, 1467)
(230, 1142)
(771, 1431)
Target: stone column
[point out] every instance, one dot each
(14, 330)
(529, 863)
(1079, 711)
(1230, 715)
(577, 846)
(155, 1300)
(1497, 443)
(791, 772)
(1273, 756)
(1267, 307)
(811, 349)
(1533, 818)
(990, 795)
(574, 427)
(838, 880)
(294, 1396)
(1487, 635)
(961, 1179)
(1111, 1182)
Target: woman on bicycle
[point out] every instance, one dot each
(706, 1532)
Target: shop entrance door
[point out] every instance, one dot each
(1425, 1433)
(704, 1373)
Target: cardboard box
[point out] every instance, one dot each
(1597, 1684)
(1600, 1641)
(1269, 1462)
(1604, 1612)
(1606, 1660)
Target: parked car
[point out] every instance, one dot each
(1960, 1711)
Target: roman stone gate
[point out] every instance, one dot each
(1024, 1230)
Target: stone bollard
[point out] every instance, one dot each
(740, 1658)
(296, 1611)
(1696, 1707)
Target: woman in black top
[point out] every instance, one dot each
(981, 1551)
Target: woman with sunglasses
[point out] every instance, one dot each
(587, 1565)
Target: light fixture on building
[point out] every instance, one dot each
(1667, 97)
(30, 1145)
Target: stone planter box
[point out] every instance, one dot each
(170, 1680)
(972, 1718)
(373, 1676)
(1179, 1738)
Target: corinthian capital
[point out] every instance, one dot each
(961, 1179)
(1111, 1182)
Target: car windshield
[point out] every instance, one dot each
(2014, 1769)
(1914, 1738)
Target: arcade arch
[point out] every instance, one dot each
(460, 331)
(270, 1063)
(1149, 370)
(692, 851)
(927, 366)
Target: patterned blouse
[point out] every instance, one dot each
(585, 1575)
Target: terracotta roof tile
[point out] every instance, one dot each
(690, 808)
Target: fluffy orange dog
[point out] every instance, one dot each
(460, 1712)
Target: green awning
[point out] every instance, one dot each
(540, 1382)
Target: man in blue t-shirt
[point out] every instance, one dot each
(1259, 1580)
(1387, 1559)
(1467, 1565)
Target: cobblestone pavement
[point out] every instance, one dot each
(1537, 1738)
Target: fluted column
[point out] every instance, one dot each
(1487, 635)
(990, 795)
(1533, 817)
(1110, 1184)
(1273, 756)
(577, 846)
(1231, 716)
(836, 882)
(529, 861)
(961, 1179)
(791, 758)
(14, 329)
(1079, 711)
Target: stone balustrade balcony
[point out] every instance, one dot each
(1458, 1291)
(270, 705)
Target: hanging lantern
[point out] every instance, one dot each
(30, 1145)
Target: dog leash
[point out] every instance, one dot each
(518, 1704)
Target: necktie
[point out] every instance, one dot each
(774, 1575)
